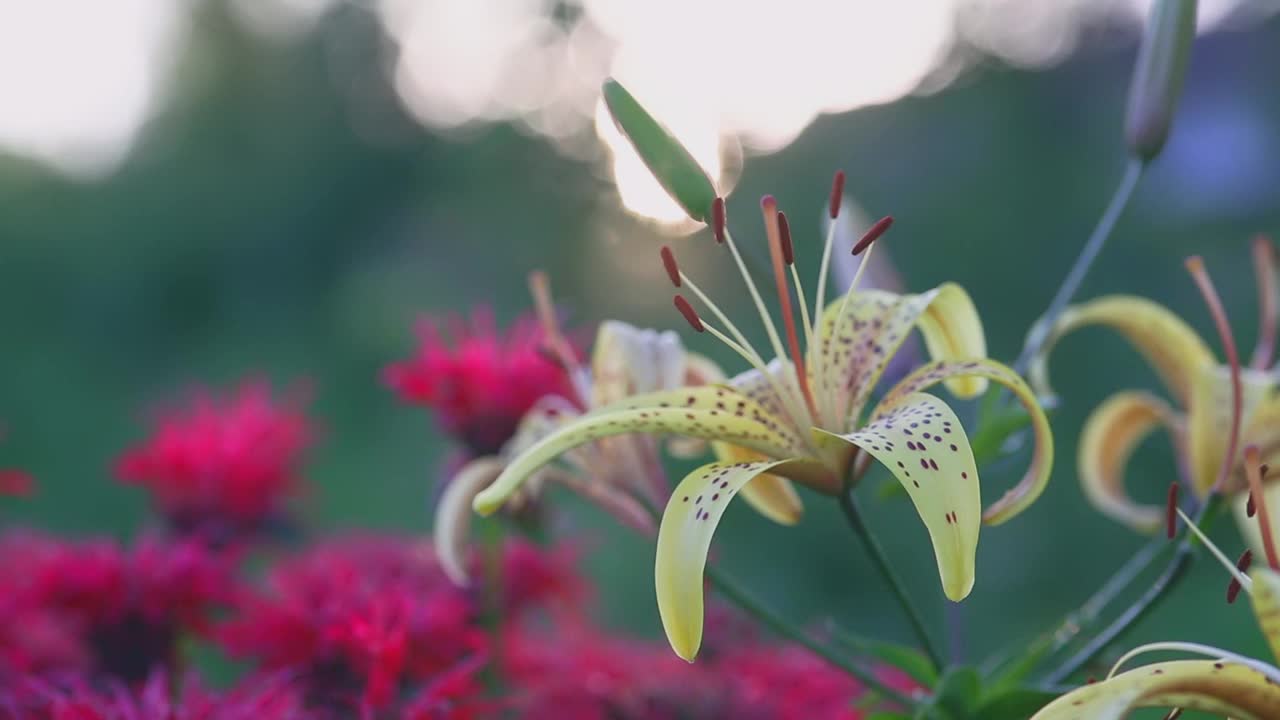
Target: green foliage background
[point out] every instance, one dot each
(255, 230)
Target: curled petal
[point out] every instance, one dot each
(920, 440)
(1036, 478)
(712, 412)
(771, 495)
(684, 538)
(453, 515)
(857, 347)
(1224, 688)
(1209, 410)
(1110, 435)
(1168, 344)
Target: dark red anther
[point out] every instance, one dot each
(784, 231)
(669, 262)
(717, 219)
(689, 314)
(1250, 508)
(881, 226)
(837, 193)
(1171, 512)
(1233, 590)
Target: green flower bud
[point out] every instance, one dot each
(676, 170)
(1158, 75)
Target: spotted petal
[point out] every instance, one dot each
(1227, 689)
(1168, 344)
(919, 438)
(771, 495)
(684, 538)
(1036, 477)
(860, 344)
(710, 412)
(1110, 435)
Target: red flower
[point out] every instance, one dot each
(16, 483)
(478, 381)
(78, 698)
(357, 620)
(221, 464)
(97, 608)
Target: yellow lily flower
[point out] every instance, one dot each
(1229, 684)
(800, 417)
(611, 472)
(1201, 416)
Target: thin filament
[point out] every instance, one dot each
(1195, 265)
(770, 210)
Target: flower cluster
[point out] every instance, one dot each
(478, 381)
(369, 626)
(222, 466)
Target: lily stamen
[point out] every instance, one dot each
(556, 344)
(780, 258)
(1252, 469)
(1240, 577)
(739, 342)
(1195, 266)
(1233, 589)
(1264, 267)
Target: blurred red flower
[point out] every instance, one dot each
(477, 380)
(222, 465)
(16, 483)
(77, 698)
(353, 618)
(100, 609)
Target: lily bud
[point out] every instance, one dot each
(1158, 75)
(675, 169)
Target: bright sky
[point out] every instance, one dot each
(80, 78)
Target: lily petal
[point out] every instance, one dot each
(698, 370)
(1036, 478)
(1209, 411)
(919, 438)
(713, 412)
(628, 361)
(771, 495)
(684, 538)
(1110, 435)
(1170, 345)
(1224, 688)
(875, 323)
(453, 515)
(1266, 605)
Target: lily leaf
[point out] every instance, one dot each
(957, 695)
(907, 659)
(1015, 704)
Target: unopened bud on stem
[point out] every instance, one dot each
(1158, 75)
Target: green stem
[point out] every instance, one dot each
(878, 557)
(1146, 602)
(753, 607)
(1071, 283)
(1079, 620)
